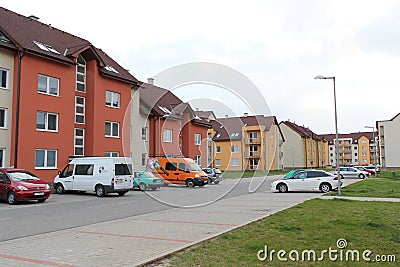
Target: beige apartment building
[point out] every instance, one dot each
(389, 142)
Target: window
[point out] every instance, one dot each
(144, 134)
(234, 149)
(253, 150)
(79, 110)
(197, 159)
(253, 135)
(81, 74)
(111, 154)
(364, 161)
(234, 162)
(48, 85)
(110, 68)
(3, 118)
(46, 159)
(144, 159)
(46, 47)
(217, 149)
(217, 162)
(167, 136)
(2, 156)
(79, 138)
(364, 154)
(123, 169)
(197, 139)
(363, 147)
(112, 129)
(46, 121)
(331, 148)
(331, 154)
(355, 147)
(170, 166)
(253, 164)
(363, 141)
(112, 99)
(355, 154)
(3, 78)
(84, 169)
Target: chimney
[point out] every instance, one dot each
(33, 17)
(226, 116)
(150, 81)
(245, 114)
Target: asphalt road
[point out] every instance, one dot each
(67, 211)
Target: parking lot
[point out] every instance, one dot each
(84, 230)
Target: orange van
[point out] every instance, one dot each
(178, 170)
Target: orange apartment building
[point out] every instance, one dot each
(69, 98)
(174, 128)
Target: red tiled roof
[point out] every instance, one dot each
(353, 136)
(23, 31)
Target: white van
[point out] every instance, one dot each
(101, 175)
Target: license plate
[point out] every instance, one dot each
(38, 194)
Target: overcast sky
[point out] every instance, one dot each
(279, 45)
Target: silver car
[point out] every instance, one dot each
(214, 175)
(351, 172)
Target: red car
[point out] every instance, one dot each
(361, 168)
(19, 185)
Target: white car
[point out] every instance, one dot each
(307, 180)
(348, 172)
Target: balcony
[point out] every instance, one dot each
(249, 141)
(252, 155)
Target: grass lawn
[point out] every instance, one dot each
(382, 185)
(313, 225)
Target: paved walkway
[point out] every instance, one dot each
(363, 198)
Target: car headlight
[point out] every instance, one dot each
(47, 186)
(21, 187)
(197, 175)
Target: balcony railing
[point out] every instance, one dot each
(249, 141)
(252, 155)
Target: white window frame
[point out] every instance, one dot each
(5, 118)
(167, 135)
(217, 149)
(7, 75)
(197, 139)
(144, 133)
(80, 105)
(111, 154)
(234, 149)
(45, 159)
(83, 142)
(197, 159)
(112, 123)
(46, 122)
(3, 157)
(251, 135)
(78, 64)
(234, 160)
(217, 162)
(113, 95)
(48, 79)
(144, 159)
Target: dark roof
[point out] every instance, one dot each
(231, 128)
(353, 136)
(208, 115)
(163, 102)
(26, 33)
(302, 131)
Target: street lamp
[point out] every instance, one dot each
(320, 77)
(373, 138)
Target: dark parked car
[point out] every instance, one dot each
(20, 185)
(214, 175)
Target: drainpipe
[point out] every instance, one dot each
(154, 135)
(20, 56)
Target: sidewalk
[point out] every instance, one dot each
(362, 198)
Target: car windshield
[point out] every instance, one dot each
(194, 167)
(149, 175)
(22, 176)
(291, 174)
(217, 171)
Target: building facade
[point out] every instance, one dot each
(69, 98)
(302, 148)
(247, 143)
(389, 140)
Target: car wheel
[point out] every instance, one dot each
(216, 182)
(361, 176)
(209, 181)
(59, 189)
(325, 188)
(189, 183)
(100, 192)
(122, 193)
(42, 200)
(282, 188)
(142, 186)
(341, 176)
(11, 198)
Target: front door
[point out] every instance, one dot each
(4, 185)
(66, 176)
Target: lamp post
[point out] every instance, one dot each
(373, 138)
(320, 77)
